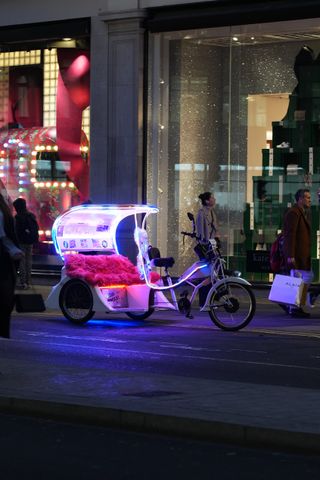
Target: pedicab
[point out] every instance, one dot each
(97, 279)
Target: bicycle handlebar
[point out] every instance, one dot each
(188, 234)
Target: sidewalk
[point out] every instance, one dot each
(244, 413)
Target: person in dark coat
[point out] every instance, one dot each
(9, 255)
(297, 236)
(27, 231)
(297, 240)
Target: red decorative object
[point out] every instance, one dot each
(73, 96)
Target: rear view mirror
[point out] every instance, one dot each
(190, 216)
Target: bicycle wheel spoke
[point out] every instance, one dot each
(232, 306)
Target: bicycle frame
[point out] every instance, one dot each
(216, 276)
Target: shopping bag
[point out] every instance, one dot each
(288, 290)
(30, 302)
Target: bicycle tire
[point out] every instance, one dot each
(232, 306)
(76, 301)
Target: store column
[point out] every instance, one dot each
(116, 110)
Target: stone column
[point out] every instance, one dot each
(117, 51)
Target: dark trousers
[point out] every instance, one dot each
(203, 292)
(7, 286)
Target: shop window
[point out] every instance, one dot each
(44, 131)
(242, 102)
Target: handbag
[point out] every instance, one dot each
(288, 290)
(30, 302)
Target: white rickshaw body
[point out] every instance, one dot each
(91, 230)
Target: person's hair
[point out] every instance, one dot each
(300, 193)
(204, 197)
(20, 205)
(4, 207)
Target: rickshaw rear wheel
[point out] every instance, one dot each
(140, 316)
(76, 301)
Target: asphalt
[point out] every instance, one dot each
(248, 414)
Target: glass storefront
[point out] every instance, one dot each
(234, 111)
(44, 131)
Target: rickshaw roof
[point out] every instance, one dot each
(118, 209)
(92, 227)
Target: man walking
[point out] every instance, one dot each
(297, 237)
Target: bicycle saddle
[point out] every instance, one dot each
(167, 262)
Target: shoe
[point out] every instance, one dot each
(298, 313)
(24, 286)
(284, 307)
(284, 145)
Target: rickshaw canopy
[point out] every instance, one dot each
(92, 227)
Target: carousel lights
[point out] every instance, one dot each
(33, 162)
(41, 148)
(52, 184)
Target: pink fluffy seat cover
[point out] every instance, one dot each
(104, 270)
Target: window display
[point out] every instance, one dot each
(234, 111)
(44, 128)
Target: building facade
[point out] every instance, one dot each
(155, 101)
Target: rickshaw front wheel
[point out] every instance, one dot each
(140, 316)
(76, 301)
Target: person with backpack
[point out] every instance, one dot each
(297, 238)
(27, 231)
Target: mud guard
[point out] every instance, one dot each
(224, 281)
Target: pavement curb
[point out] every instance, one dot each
(217, 431)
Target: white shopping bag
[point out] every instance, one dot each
(288, 290)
